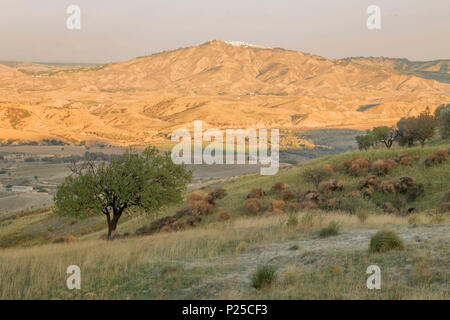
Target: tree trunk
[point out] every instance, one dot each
(108, 219)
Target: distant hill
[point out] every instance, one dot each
(227, 85)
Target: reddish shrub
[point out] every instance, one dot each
(309, 195)
(404, 184)
(287, 195)
(223, 216)
(330, 186)
(257, 193)
(329, 168)
(383, 167)
(389, 208)
(276, 204)
(202, 208)
(356, 166)
(387, 187)
(252, 205)
(308, 205)
(279, 187)
(194, 197)
(404, 159)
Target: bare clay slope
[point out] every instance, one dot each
(225, 85)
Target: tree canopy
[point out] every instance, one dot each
(147, 180)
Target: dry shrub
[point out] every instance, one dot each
(368, 191)
(194, 197)
(218, 193)
(223, 216)
(387, 187)
(356, 166)
(371, 180)
(404, 159)
(442, 155)
(404, 184)
(332, 203)
(444, 207)
(436, 158)
(287, 195)
(257, 193)
(389, 208)
(276, 204)
(309, 195)
(279, 187)
(252, 205)
(330, 186)
(202, 208)
(294, 207)
(329, 168)
(383, 167)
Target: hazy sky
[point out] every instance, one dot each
(112, 30)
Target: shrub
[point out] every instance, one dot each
(389, 208)
(276, 204)
(315, 176)
(308, 205)
(218, 193)
(309, 195)
(202, 208)
(252, 206)
(331, 230)
(329, 168)
(356, 166)
(194, 197)
(387, 187)
(256, 193)
(263, 276)
(385, 240)
(403, 184)
(436, 158)
(330, 186)
(287, 195)
(404, 159)
(279, 187)
(383, 167)
(223, 216)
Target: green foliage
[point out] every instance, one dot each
(315, 176)
(364, 141)
(263, 276)
(442, 113)
(414, 129)
(331, 230)
(385, 240)
(148, 180)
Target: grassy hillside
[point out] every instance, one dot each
(217, 259)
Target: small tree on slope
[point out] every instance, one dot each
(148, 180)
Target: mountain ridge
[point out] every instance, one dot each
(227, 86)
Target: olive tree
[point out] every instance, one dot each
(148, 180)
